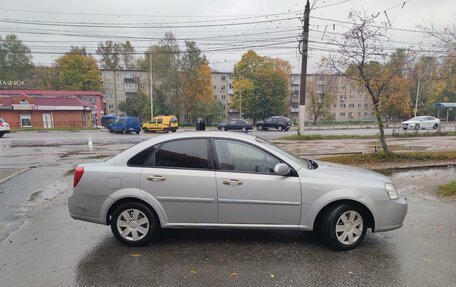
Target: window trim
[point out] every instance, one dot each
(293, 172)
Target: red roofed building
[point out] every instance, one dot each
(95, 99)
(22, 111)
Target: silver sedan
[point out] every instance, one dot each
(231, 180)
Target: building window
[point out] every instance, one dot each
(26, 120)
(351, 105)
(119, 75)
(350, 114)
(365, 114)
(111, 107)
(359, 105)
(342, 105)
(109, 96)
(366, 105)
(230, 77)
(223, 78)
(223, 97)
(342, 114)
(334, 105)
(214, 87)
(223, 88)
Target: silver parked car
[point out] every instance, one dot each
(231, 180)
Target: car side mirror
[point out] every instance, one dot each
(281, 169)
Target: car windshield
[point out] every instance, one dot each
(302, 161)
(119, 121)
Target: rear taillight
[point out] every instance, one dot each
(78, 172)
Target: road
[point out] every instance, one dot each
(40, 245)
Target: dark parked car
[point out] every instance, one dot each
(277, 122)
(235, 125)
(125, 125)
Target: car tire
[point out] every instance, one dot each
(110, 130)
(260, 127)
(223, 129)
(416, 127)
(137, 133)
(1, 134)
(280, 128)
(344, 227)
(173, 130)
(146, 130)
(166, 131)
(436, 126)
(244, 129)
(126, 224)
(124, 131)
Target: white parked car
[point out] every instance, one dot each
(421, 123)
(4, 127)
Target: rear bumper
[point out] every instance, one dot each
(5, 131)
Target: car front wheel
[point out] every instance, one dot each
(436, 126)
(280, 128)
(134, 224)
(222, 129)
(344, 227)
(417, 127)
(260, 127)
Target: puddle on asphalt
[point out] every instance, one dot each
(419, 171)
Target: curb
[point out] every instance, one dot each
(13, 175)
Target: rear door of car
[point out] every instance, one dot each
(248, 190)
(180, 176)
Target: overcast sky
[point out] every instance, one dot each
(222, 29)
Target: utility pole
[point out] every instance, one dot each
(302, 92)
(151, 87)
(240, 97)
(417, 93)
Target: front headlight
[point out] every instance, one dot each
(391, 191)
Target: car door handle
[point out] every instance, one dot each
(232, 182)
(156, 178)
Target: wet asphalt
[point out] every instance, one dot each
(40, 245)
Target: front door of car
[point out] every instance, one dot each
(180, 176)
(248, 190)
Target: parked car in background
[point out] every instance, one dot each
(161, 124)
(125, 125)
(421, 123)
(233, 125)
(231, 180)
(4, 127)
(276, 122)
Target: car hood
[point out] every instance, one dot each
(348, 173)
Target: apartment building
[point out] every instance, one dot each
(222, 87)
(121, 84)
(351, 102)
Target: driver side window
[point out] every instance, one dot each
(240, 157)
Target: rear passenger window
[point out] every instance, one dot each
(144, 158)
(191, 153)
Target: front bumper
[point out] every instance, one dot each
(391, 214)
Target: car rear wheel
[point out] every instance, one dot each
(436, 126)
(134, 224)
(417, 127)
(280, 128)
(110, 130)
(1, 134)
(260, 127)
(137, 133)
(244, 129)
(344, 227)
(146, 130)
(222, 129)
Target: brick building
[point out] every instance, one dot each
(22, 111)
(93, 98)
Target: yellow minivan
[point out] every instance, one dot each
(162, 124)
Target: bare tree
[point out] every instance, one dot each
(358, 57)
(321, 95)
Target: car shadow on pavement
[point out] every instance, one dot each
(240, 257)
